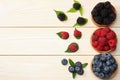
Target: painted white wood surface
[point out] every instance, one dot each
(44, 68)
(37, 13)
(44, 41)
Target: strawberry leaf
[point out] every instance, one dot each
(59, 34)
(72, 10)
(71, 62)
(58, 12)
(74, 75)
(84, 65)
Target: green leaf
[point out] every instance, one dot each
(71, 62)
(74, 75)
(72, 10)
(78, 37)
(84, 65)
(58, 12)
(75, 1)
(81, 11)
(59, 34)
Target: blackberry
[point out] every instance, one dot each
(61, 17)
(76, 6)
(112, 16)
(98, 19)
(106, 21)
(94, 13)
(64, 62)
(107, 5)
(81, 21)
(99, 6)
(104, 13)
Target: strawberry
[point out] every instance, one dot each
(106, 48)
(95, 43)
(77, 34)
(94, 38)
(73, 47)
(98, 32)
(112, 42)
(111, 35)
(106, 29)
(63, 35)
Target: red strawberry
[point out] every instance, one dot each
(73, 47)
(77, 34)
(95, 44)
(63, 35)
(94, 38)
(106, 48)
(111, 35)
(107, 29)
(98, 32)
(112, 42)
(99, 48)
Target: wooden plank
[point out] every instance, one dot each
(44, 67)
(39, 13)
(44, 41)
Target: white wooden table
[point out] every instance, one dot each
(30, 48)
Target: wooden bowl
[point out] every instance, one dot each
(102, 25)
(113, 74)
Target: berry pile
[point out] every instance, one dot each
(104, 13)
(104, 65)
(104, 39)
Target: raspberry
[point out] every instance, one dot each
(73, 47)
(64, 35)
(102, 40)
(113, 48)
(111, 35)
(95, 43)
(106, 48)
(103, 33)
(99, 48)
(112, 42)
(98, 32)
(106, 29)
(94, 38)
(77, 34)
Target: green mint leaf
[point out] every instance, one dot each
(74, 75)
(81, 11)
(84, 65)
(71, 62)
(59, 34)
(58, 12)
(72, 10)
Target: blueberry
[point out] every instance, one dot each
(104, 64)
(81, 72)
(94, 69)
(96, 73)
(77, 6)
(109, 56)
(108, 63)
(61, 16)
(112, 61)
(77, 69)
(97, 69)
(107, 5)
(98, 19)
(111, 68)
(71, 69)
(64, 62)
(115, 66)
(112, 16)
(107, 76)
(79, 64)
(104, 13)
(106, 21)
(97, 57)
(99, 64)
(101, 75)
(95, 61)
(81, 21)
(103, 57)
(106, 69)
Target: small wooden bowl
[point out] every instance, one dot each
(113, 74)
(102, 25)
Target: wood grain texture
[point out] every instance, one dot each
(44, 41)
(39, 13)
(44, 68)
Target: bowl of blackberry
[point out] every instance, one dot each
(103, 14)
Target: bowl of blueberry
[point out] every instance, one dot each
(104, 66)
(103, 14)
